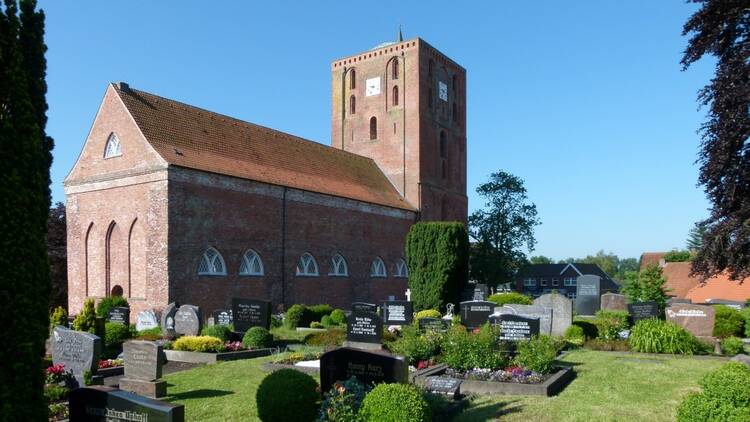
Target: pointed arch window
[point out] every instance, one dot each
(395, 95)
(395, 69)
(251, 264)
(112, 148)
(212, 263)
(307, 266)
(443, 144)
(402, 271)
(338, 266)
(377, 269)
(352, 105)
(353, 79)
(373, 128)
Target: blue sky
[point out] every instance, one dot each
(584, 100)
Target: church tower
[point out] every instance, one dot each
(403, 104)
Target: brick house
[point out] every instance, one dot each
(169, 202)
(537, 279)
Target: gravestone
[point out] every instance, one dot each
(222, 316)
(368, 367)
(543, 313)
(474, 313)
(364, 330)
(167, 320)
(614, 302)
(143, 364)
(697, 319)
(248, 313)
(437, 325)
(643, 310)
(187, 320)
(105, 404)
(562, 311)
(450, 387)
(588, 294)
(515, 327)
(146, 320)
(731, 303)
(78, 350)
(119, 315)
(364, 307)
(480, 292)
(397, 312)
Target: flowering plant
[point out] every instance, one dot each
(109, 363)
(57, 373)
(342, 402)
(510, 374)
(234, 346)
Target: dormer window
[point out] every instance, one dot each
(112, 149)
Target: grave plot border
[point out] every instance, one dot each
(202, 357)
(111, 372)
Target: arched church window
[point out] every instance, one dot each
(352, 105)
(402, 271)
(395, 69)
(112, 148)
(251, 263)
(395, 95)
(443, 144)
(212, 263)
(338, 266)
(307, 266)
(373, 127)
(353, 79)
(377, 269)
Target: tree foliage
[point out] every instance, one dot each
(438, 257)
(721, 28)
(695, 237)
(647, 285)
(676, 255)
(541, 259)
(502, 229)
(610, 263)
(57, 253)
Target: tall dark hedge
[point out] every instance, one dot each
(438, 257)
(24, 184)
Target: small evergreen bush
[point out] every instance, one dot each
(86, 320)
(338, 317)
(537, 354)
(463, 350)
(725, 396)
(109, 302)
(293, 316)
(316, 324)
(395, 403)
(729, 322)
(331, 337)
(222, 332)
(501, 299)
(58, 317)
(574, 335)
(427, 313)
(589, 328)
(415, 345)
(116, 334)
(342, 402)
(287, 395)
(325, 322)
(610, 323)
(696, 407)
(745, 312)
(317, 312)
(198, 344)
(732, 346)
(257, 338)
(656, 336)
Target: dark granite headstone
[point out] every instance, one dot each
(433, 324)
(697, 319)
(146, 320)
(474, 313)
(364, 307)
(248, 313)
(187, 320)
(643, 310)
(119, 315)
(588, 290)
(515, 327)
(167, 320)
(543, 313)
(222, 316)
(450, 387)
(364, 327)
(397, 312)
(106, 404)
(79, 351)
(614, 302)
(142, 360)
(368, 367)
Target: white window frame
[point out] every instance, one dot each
(249, 258)
(112, 147)
(543, 282)
(402, 270)
(569, 281)
(339, 267)
(377, 268)
(555, 281)
(307, 266)
(209, 260)
(529, 282)
(572, 295)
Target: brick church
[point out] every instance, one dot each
(170, 202)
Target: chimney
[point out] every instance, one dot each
(123, 86)
(662, 262)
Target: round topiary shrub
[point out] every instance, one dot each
(395, 402)
(656, 336)
(316, 324)
(729, 322)
(326, 321)
(293, 316)
(427, 313)
(725, 396)
(204, 344)
(257, 338)
(287, 395)
(501, 299)
(338, 317)
(222, 332)
(574, 335)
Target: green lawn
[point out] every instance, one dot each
(608, 387)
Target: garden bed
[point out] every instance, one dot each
(200, 357)
(550, 386)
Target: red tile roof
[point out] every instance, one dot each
(679, 280)
(191, 137)
(720, 287)
(649, 258)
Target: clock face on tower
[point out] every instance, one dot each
(372, 86)
(443, 90)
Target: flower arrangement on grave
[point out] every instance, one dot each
(342, 402)
(235, 346)
(109, 363)
(57, 374)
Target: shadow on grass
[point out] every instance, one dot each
(202, 393)
(489, 411)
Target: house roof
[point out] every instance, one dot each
(679, 280)
(649, 258)
(556, 270)
(722, 288)
(191, 137)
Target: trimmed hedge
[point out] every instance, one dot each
(395, 402)
(116, 334)
(257, 338)
(287, 395)
(427, 313)
(729, 322)
(198, 344)
(299, 315)
(501, 299)
(438, 257)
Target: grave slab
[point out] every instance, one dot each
(104, 404)
(248, 313)
(588, 290)
(368, 367)
(562, 311)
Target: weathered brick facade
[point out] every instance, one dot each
(143, 219)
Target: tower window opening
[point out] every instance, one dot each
(353, 79)
(395, 69)
(395, 95)
(373, 128)
(352, 105)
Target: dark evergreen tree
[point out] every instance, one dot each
(695, 237)
(721, 28)
(57, 253)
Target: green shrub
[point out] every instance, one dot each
(222, 332)
(589, 328)
(537, 354)
(86, 320)
(317, 312)
(325, 322)
(501, 299)
(198, 344)
(696, 407)
(116, 334)
(109, 302)
(331, 337)
(287, 395)
(427, 313)
(415, 345)
(463, 350)
(151, 334)
(745, 312)
(58, 317)
(729, 322)
(395, 403)
(656, 336)
(257, 338)
(293, 316)
(276, 321)
(729, 383)
(438, 257)
(678, 256)
(610, 323)
(338, 317)
(316, 324)
(54, 392)
(342, 402)
(732, 346)
(574, 335)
